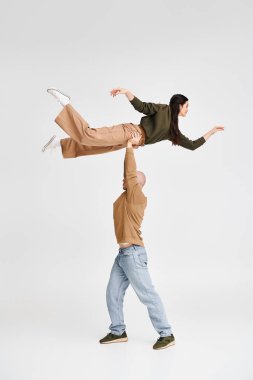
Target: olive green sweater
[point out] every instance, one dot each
(157, 124)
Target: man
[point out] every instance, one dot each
(130, 265)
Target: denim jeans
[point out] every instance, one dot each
(130, 267)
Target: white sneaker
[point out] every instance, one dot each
(62, 98)
(53, 143)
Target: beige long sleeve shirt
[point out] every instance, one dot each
(128, 209)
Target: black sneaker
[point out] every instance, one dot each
(164, 342)
(111, 338)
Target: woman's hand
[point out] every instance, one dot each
(119, 90)
(217, 128)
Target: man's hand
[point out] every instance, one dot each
(118, 90)
(135, 140)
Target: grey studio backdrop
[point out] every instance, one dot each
(57, 236)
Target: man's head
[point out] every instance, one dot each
(141, 178)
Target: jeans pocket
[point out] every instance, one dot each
(141, 260)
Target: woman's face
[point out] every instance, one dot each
(183, 109)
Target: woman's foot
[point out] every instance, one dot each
(62, 98)
(53, 143)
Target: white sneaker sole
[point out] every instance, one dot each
(60, 92)
(168, 345)
(48, 143)
(116, 341)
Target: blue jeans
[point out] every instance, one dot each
(130, 267)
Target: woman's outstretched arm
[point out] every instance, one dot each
(142, 107)
(217, 128)
(194, 144)
(119, 90)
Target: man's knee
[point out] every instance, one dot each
(147, 294)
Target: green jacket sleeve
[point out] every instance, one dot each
(190, 144)
(143, 107)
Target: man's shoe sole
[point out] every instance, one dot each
(56, 89)
(48, 143)
(116, 341)
(168, 345)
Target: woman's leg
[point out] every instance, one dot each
(79, 130)
(71, 149)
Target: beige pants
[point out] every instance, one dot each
(85, 141)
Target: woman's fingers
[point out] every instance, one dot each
(115, 91)
(219, 128)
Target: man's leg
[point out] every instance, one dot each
(79, 130)
(137, 273)
(116, 288)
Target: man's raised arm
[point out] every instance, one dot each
(130, 166)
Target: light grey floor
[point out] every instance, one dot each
(56, 336)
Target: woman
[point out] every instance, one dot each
(160, 123)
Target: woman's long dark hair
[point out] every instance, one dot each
(175, 101)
